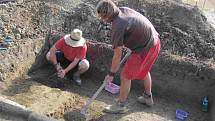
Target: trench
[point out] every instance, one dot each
(62, 99)
(178, 83)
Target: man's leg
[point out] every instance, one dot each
(128, 73)
(59, 56)
(147, 95)
(148, 84)
(48, 56)
(124, 89)
(120, 105)
(83, 66)
(145, 75)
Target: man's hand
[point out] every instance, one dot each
(58, 67)
(109, 78)
(61, 73)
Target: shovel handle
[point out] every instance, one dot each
(125, 57)
(85, 108)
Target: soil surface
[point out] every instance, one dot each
(185, 31)
(63, 100)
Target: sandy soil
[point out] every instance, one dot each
(211, 17)
(63, 99)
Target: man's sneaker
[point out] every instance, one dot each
(77, 79)
(146, 99)
(116, 108)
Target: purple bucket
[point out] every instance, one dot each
(112, 88)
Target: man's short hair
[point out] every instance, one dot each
(107, 8)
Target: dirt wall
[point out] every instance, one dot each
(188, 78)
(17, 60)
(180, 75)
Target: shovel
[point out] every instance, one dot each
(89, 102)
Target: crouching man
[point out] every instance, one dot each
(70, 51)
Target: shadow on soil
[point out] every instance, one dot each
(164, 109)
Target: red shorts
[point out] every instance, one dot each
(138, 65)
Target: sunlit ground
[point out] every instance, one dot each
(202, 4)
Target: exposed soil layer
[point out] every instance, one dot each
(63, 99)
(182, 75)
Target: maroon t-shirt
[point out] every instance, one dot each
(133, 30)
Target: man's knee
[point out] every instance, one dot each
(84, 64)
(123, 77)
(48, 56)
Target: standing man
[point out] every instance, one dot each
(134, 31)
(70, 50)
